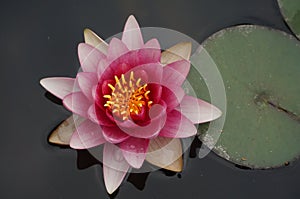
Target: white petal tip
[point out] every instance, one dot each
(132, 35)
(94, 40)
(58, 86)
(55, 139)
(87, 31)
(131, 23)
(215, 112)
(43, 82)
(47, 83)
(75, 145)
(131, 17)
(112, 184)
(111, 190)
(80, 46)
(218, 113)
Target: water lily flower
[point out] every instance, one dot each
(129, 98)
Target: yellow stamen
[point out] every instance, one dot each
(107, 96)
(138, 82)
(118, 82)
(111, 87)
(128, 97)
(139, 98)
(131, 76)
(123, 79)
(116, 106)
(146, 94)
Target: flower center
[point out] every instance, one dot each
(128, 96)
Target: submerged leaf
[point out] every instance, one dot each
(260, 69)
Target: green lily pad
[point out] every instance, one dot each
(290, 10)
(261, 73)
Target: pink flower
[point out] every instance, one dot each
(128, 98)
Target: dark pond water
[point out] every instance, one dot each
(39, 38)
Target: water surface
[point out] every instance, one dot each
(39, 39)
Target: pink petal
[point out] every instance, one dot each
(155, 92)
(153, 43)
(102, 65)
(132, 35)
(115, 167)
(116, 48)
(89, 57)
(172, 96)
(149, 55)
(152, 72)
(114, 134)
(76, 87)
(87, 135)
(127, 62)
(197, 110)
(105, 89)
(77, 103)
(86, 82)
(94, 89)
(142, 117)
(157, 114)
(140, 73)
(58, 86)
(175, 73)
(101, 90)
(178, 126)
(99, 116)
(108, 113)
(134, 151)
(182, 66)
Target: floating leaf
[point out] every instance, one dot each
(260, 68)
(290, 10)
(62, 134)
